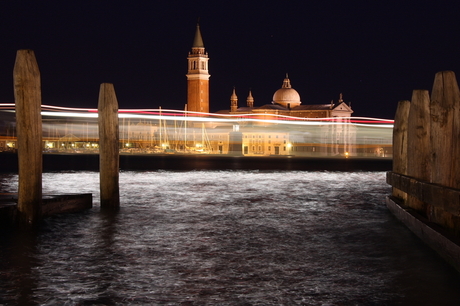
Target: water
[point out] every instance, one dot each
(224, 238)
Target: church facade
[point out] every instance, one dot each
(286, 102)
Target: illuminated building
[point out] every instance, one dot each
(286, 102)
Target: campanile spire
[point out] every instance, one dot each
(233, 101)
(198, 76)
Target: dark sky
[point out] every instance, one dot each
(374, 52)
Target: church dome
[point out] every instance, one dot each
(287, 96)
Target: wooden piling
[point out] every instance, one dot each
(418, 136)
(418, 143)
(27, 96)
(444, 108)
(445, 143)
(108, 148)
(400, 143)
(432, 182)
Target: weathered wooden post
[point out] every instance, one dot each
(444, 108)
(400, 143)
(27, 96)
(108, 148)
(445, 145)
(432, 205)
(418, 143)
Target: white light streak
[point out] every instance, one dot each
(156, 127)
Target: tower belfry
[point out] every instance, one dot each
(198, 76)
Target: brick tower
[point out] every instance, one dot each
(198, 76)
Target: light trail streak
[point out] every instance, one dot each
(154, 130)
(205, 119)
(156, 114)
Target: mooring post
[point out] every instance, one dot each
(27, 97)
(431, 183)
(400, 143)
(445, 144)
(418, 143)
(418, 136)
(108, 147)
(444, 109)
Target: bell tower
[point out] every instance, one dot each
(198, 76)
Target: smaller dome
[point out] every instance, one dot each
(287, 96)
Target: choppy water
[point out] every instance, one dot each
(224, 238)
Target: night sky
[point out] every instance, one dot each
(374, 52)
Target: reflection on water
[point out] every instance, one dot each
(224, 238)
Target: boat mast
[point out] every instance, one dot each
(185, 129)
(159, 123)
